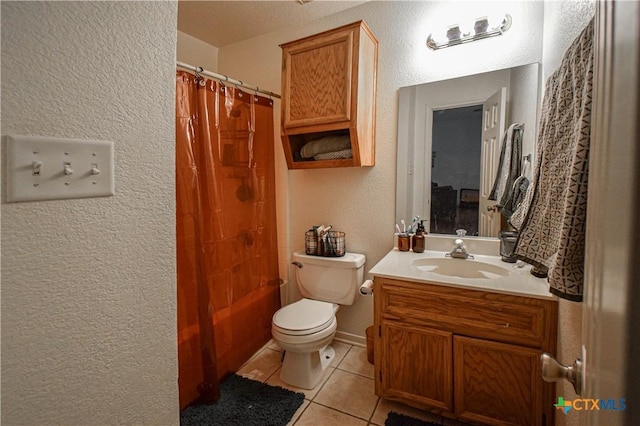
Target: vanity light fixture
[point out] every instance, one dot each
(483, 27)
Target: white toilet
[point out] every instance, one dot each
(305, 328)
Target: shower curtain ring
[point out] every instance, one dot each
(223, 89)
(239, 90)
(198, 78)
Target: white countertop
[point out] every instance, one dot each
(516, 280)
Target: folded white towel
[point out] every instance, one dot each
(325, 144)
(335, 155)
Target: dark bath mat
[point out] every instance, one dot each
(395, 419)
(245, 402)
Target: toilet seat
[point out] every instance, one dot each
(304, 317)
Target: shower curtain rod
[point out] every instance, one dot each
(223, 78)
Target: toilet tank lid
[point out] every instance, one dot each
(349, 260)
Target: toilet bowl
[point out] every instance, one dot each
(305, 325)
(305, 329)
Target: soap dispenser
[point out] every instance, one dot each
(417, 242)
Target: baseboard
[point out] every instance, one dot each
(352, 339)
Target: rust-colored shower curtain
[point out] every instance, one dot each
(228, 285)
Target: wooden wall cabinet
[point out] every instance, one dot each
(465, 354)
(329, 89)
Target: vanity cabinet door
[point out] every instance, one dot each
(496, 383)
(416, 365)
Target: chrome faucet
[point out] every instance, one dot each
(459, 250)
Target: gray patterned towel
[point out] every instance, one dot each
(552, 218)
(509, 164)
(515, 197)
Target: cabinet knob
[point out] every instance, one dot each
(552, 371)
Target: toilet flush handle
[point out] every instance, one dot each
(298, 264)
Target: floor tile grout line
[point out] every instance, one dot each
(311, 401)
(272, 374)
(303, 411)
(354, 372)
(336, 409)
(324, 382)
(344, 356)
(375, 407)
(339, 411)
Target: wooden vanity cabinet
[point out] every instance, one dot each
(328, 89)
(466, 354)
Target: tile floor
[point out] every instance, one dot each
(345, 396)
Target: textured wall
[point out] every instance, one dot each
(361, 201)
(88, 285)
(563, 22)
(196, 52)
(525, 82)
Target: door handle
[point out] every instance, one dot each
(493, 208)
(552, 371)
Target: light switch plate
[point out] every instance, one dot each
(44, 168)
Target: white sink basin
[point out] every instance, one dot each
(484, 272)
(462, 268)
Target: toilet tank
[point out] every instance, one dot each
(329, 279)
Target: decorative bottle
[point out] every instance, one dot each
(418, 239)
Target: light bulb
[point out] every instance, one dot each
(466, 27)
(495, 21)
(439, 35)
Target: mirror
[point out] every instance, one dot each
(448, 154)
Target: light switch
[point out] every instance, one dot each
(43, 168)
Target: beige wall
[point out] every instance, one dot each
(361, 201)
(88, 285)
(196, 52)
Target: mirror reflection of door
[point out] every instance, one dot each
(465, 145)
(493, 125)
